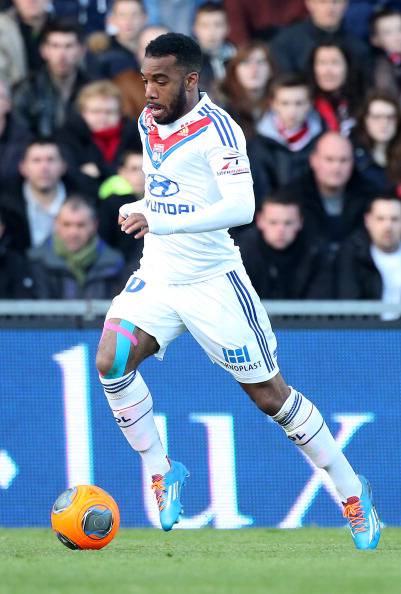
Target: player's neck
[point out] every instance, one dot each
(193, 100)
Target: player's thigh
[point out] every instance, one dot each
(123, 347)
(147, 315)
(227, 319)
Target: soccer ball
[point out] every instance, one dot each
(85, 517)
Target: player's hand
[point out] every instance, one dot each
(134, 223)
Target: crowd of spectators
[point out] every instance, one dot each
(314, 84)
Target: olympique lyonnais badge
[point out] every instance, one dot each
(157, 154)
(184, 131)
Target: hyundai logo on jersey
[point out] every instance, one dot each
(161, 186)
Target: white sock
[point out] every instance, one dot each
(132, 406)
(305, 426)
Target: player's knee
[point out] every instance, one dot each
(104, 362)
(269, 396)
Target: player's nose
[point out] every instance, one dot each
(151, 91)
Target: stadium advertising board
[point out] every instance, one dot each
(57, 429)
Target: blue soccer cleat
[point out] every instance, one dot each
(167, 489)
(362, 518)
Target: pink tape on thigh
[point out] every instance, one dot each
(110, 326)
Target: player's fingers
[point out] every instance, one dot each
(129, 221)
(142, 232)
(131, 226)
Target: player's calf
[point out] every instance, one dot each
(127, 394)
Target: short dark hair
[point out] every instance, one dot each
(210, 7)
(284, 197)
(78, 201)
(186, 51)
(288, 80)
(66, 25)
(388, 197)
(41, 141)
(381, 13)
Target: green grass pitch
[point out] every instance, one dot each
(249, 561)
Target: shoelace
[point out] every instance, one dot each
(353, 511)
(159, 489)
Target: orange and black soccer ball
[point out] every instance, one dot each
(85, 517)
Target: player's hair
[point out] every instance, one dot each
(66, 25)
(186, 51)
(388, 197)
(287, 80)
(210, 7)
(41, 141)
(284, 197)
(381, 13)
(77, 201)
(99, 88)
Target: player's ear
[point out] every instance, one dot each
(191, 81)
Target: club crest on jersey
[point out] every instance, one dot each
(157, 154)
(183, 132)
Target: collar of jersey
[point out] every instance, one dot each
(192, 116)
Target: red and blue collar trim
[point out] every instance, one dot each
(159, 149)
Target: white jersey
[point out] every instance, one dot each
(197, 185)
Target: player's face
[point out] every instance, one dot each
(165, 88)
(279, 224)
(42, 166)
(291, 105)
(326, 14)
(332, 162)
(330, 69)
(388, 33)
(383, 223)
(75, 227)
(381, 121)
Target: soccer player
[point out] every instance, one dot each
(191, 277)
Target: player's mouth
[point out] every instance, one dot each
(156, 109)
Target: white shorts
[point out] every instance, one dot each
(223, 314)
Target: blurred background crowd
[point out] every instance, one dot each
(314, 84)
